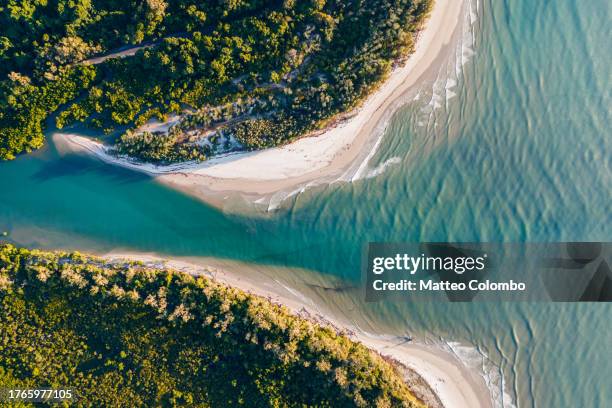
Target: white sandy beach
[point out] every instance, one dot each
(310, 160)
(313, 160)
(456, 385)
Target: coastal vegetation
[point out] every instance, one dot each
(127, 334)
(239, 74)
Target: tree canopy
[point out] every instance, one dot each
(113, 65)
(123, 334)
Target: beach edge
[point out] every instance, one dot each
(310, 160)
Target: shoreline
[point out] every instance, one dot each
(452, 383)
(310, 160)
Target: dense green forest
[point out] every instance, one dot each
(123, 334)
(240, 74)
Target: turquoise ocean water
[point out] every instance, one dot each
(514, 145)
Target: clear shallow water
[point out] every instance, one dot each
(518, 150)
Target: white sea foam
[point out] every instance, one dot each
(443, 87)
(380, 169)
(276, 200)
(440, 92)
(477, 360)
(451, 83)
(467, 355)
(363, 167)
(432, 97)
